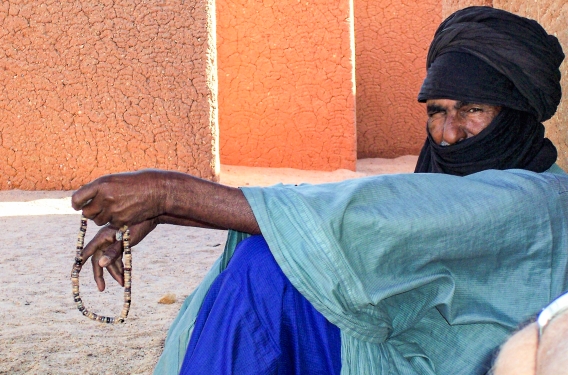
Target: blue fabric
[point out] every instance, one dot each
(272, 328)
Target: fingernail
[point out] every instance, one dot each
(104, 261)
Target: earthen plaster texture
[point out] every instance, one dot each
(89, 88)
(450, 6)
(391, 43)
(286, 84)
(95, 88)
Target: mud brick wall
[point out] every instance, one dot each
(286, 83)
(450, 6)
(95, 87)
(392, 40)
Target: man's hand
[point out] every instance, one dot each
(125, 198)
(105, 251)
(147, 198)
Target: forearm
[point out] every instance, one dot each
(176, 198)
(197, 202)
(166, 219)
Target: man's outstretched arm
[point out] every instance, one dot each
(131, 198)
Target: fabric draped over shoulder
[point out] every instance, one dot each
(414, 268)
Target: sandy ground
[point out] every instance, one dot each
(41, 330)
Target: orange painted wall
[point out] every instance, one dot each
(286, 89)
(392, 40)
(450, 6)
(94, 87)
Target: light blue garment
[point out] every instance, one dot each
(423, 273)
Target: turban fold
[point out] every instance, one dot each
(464, 77)
(517, 47)
(490, 56)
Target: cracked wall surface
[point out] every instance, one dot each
(553, 16)
(94, 88)
(286, 90)
(89, 88)
(450, 6)
(391, 44)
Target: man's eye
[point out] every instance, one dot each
(474, 109)
(433, 113)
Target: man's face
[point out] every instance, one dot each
(452, 121)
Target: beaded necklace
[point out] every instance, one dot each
(124, 235)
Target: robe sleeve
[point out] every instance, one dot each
(412, 268)
(379, 256)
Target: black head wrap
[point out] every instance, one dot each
(486, 55)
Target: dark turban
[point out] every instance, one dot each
(487, 55)
(517, 47)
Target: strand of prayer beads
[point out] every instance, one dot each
(121, 235)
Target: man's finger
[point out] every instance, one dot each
(111, 254)
(139, 231)
(98, 274)
(83, 196)
(116, 270)
(100, 218)
(94, 212)
(104, 238)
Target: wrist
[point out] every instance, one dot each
(167, 193)
(172, 199)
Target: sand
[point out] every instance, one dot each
(43, 333)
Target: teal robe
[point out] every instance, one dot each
(422, 273)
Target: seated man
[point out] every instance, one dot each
(424, 273)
